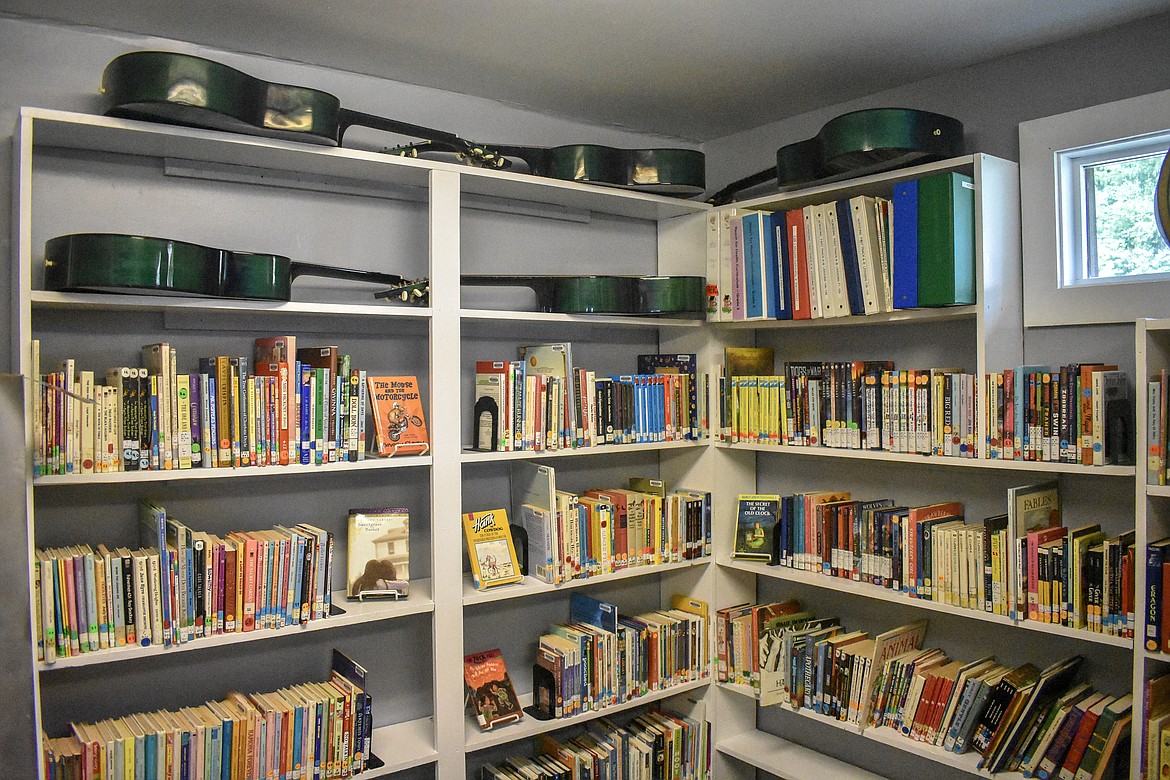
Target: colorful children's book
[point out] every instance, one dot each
(378, 553)
(489, 689)
(489, 546)
(399, 425)
(755, 527)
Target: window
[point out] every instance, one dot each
(1091, 247)
(1107, 204)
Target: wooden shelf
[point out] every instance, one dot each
(477, 456)
(117, 477)
(474, 739)
(870, 591)
(933, 460)
(531, 586)
(356, 613)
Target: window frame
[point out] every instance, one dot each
(1052, 150)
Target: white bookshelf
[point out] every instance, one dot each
(354, 613)
(983, 337)
(530, 727)
(436, 215)
(426, 206)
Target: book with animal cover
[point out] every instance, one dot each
(489, 689)
(887, 645)
(378, 553)
(489, 548)
(399, 424)
(755, 528)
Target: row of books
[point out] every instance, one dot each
(313, 729)
(1157, 420)
(179, 586)
(855, 256)
(281, 405)
(600, 658)
(544, 402)
(1078, 413)
(1024, 564)
(1040, 722)
(1155, 749)
(557, 536)
(653, 745)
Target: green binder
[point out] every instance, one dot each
(946, 240)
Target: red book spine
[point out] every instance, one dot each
(1076, 749)
(798, 264)
(249, 601)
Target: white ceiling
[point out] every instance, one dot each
(693, 69)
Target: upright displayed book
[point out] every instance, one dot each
(490, 549)
(378, 553)
(399, 425)
(490, 691)
(755, 527)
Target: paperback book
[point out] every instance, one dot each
(378, 553)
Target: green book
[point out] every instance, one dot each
(946, 240)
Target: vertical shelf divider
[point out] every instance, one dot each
(446, 561)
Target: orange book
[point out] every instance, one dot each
(276, 357)
(399, 425)
(1086, 408)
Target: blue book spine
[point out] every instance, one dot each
(1155, 554)
(306, 419)
(779, 234)
(225, 759)
(849, 258)
(772, 274)
(753, 260)
(905, 202)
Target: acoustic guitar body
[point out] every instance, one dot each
(195, 92)
(113, 262)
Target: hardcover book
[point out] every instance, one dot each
(489, 689)
(755, 526)
(378, 553)
(399, 425)
(749, 361)
(489, 547)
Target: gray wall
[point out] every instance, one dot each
(990, 99)
(58, 67)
